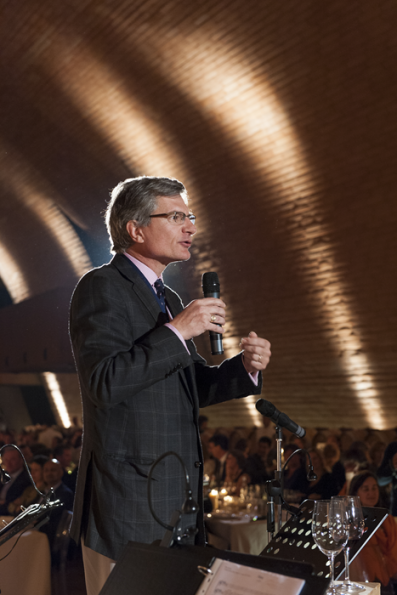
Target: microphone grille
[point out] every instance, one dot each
(210, 281)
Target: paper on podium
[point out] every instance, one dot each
(228, 578)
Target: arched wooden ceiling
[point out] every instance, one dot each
(279, 118)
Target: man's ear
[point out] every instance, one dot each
(134, 232)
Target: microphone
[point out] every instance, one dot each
(211, 289)
(281, 419)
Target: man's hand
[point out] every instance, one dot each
(199, 316)
(256, 353)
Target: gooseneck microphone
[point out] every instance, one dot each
(280, 419)
(211, 289)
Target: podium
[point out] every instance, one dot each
(153, 570)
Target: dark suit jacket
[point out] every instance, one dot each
(15, 490)
(141, 393)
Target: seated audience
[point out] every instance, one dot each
(377, 561)
(30, 495)
(235, 477)
(387, 474)
(13, 489)
(323, 488)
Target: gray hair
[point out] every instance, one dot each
(135, 199)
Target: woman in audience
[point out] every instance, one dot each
(324, 487)
(236, 476)
(377, 561)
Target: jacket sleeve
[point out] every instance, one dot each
(230, 380)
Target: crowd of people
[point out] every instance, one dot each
(52, 455)
(239, 457)
(343, 463)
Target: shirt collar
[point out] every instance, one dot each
(146, 271)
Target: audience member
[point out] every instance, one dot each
(377, 561)
(257, 464)
(323, 487)
(52, 475)
(376, 454)
(47, 435)
(63, 454)
(30, 495)
(295, 476)
(13, 489)
(331, 454)
(355, 461)
(387, 474)
(218, 449)
(235, 475)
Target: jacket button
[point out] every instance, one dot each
(197, 464)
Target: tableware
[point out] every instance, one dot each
(330, 532)
(355, 525)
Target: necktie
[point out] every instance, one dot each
(159, 286)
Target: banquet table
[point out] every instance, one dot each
(27, 569)
(237, 534)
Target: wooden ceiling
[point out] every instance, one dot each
(280, 118)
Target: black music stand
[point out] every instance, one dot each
(295, 541)
(153, 570)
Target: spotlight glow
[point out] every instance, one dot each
(57, 397)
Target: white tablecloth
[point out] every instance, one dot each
(27, 570)
(249, 537)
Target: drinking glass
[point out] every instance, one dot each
(329, 531)
(355, 527)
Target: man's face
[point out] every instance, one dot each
(163, 242)
(66, 458)
(215, 450)
(263, 449)
(52, 473)
(12, 460)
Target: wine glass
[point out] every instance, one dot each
(355, 527)
(329, 532)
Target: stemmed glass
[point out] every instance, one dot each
(355, 528)
(330, 532)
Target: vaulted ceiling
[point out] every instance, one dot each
(280, 118)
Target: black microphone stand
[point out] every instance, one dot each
(275, 488)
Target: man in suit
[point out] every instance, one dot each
(13, 489)
(218, 447)
(141, 379)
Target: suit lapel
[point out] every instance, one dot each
(146, 296)
(140, 288)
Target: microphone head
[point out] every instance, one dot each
(311, 476)
(210, 282)
(265, 407)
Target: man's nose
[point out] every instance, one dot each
(189, 227)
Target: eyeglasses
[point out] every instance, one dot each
(176, 217)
